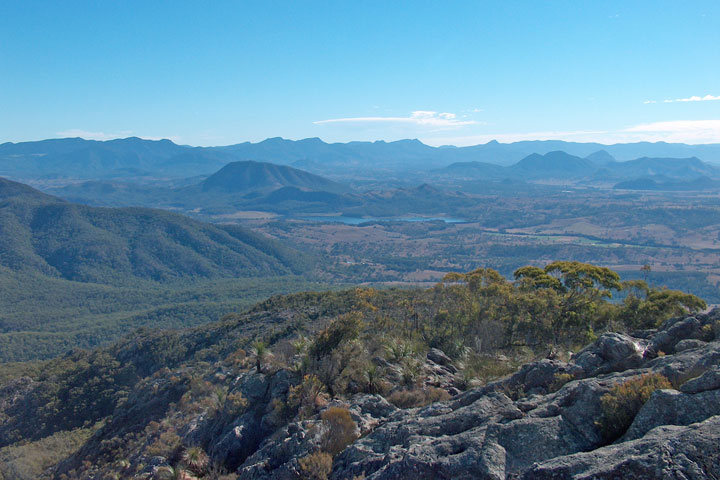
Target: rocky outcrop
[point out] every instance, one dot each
(278, 456)
(537, 377)
(531, 426)
(670, 407)
(543, 421)
(667, 452)
(612, 352)
(709, 380)
(674, 331)
(241, 438)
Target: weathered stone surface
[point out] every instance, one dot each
(443, 440)
(277, 457)
(709, 380)
(367, 411)
(243, 436)
(682, 366)
(670, 407)
(612, 352)
(483, 434)
(668, 452)
(537, 377)
(438, 356)
(675, 330)
(440, 372)
(688, 344)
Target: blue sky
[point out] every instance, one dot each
(446, 72)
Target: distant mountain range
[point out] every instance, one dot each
(43, 234)
(597, 167)
(136, 158)
(262, 186)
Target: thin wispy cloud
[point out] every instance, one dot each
(422, 118)
(678, 131)
(694, 98)
(683, 131)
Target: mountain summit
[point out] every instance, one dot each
(248, 176)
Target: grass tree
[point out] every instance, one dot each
(260, 351)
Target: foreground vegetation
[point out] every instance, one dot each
(331, 345)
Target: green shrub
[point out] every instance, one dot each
(374, 379)
(707, 333)
(417, 398)
(339, 430)
(316, 466)
(165, 444)
(235, 404)
(344, 329)
(308, 396)
(485, 368)
(623, 401)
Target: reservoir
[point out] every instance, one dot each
(360, 220)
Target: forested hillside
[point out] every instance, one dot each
(73, 275)
(41, 234)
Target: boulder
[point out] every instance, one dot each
(670, 407)
(612, 352)
(688, 344)
(439, 371)
(538, 377)
(710, 380)
(685, 365)
(673, 331)
(668, 452)
(438, 356)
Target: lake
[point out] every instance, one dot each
(358, 221)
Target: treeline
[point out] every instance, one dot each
(42, 317)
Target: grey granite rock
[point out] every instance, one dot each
(612, 352)
(710, 380)
(688, 344)
(670, 407)
(667, 452)
(484, 434)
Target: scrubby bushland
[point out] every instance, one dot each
(180, 395)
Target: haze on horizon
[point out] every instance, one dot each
(460, 73)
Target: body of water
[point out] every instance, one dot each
(358, 221)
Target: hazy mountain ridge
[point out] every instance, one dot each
(562, 165)
(78, 158)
